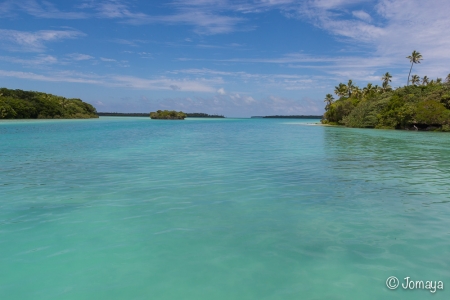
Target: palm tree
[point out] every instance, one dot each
(369, 90)
(340, 90)
(378, 89)
(438, 80)
(350, 87)
(415, 79)
(425, 80)
(385, 87)
(329, 100)
(357, 93)
(386, 78)
(447, 79)
(414, 58)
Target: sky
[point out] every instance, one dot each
(237, 58)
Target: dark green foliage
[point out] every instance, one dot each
(168, 115)
(424, 107)
(340, 109)
(431, 112)
(18, 104)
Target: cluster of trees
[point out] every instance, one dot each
(425, 104)
(18, 104)
(168, 115)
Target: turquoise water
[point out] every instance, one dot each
(133, 208)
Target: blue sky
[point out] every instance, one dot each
(237, 58)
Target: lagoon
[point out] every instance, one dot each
(133, 208)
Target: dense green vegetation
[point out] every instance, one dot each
(168, 115)
(423, 105)
(18, 104)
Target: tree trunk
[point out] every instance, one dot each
(409, 73)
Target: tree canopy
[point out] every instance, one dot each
(18, 104)
(423, 106)
(168, 115)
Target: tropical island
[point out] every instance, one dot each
(18, 104)
(167, 115)
(423, 105)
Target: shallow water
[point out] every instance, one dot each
(133, 208)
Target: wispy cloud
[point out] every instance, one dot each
(277, 82)
(202, 17)
(393, 31)
(39, 9)
(360, 14)
(79, 56)
(155, 84)
(48, 10)
(34, 61)
(26, 41)
(107, 59)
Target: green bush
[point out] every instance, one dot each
(168, 115)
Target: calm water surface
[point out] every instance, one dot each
(133, 208)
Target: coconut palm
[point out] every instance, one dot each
(438, 80)
(425, 80)
(340, 90)
(378, 89)
(414, 58)
(369, 90)
(415, 79)
(329, 100)
(386, 78)
(350, 88)
(357, 93)
(447, 79)
(385, 87)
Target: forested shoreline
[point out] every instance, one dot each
(18, 104)
(423, 105)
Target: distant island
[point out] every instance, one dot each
(188, 115)
(18, 104)
(203, 115)
(115, 114)
(423, 104)
(167, 115)
(288, 117)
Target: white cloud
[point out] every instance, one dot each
(186, 85)
(39, 9)
(396, 28)
(79, 56)
(221, 91)
(200, 14)
(47, 10)
(35, 61)
(107, 59)
(25, 41)
(60, 77)
(362, 15)
(157, 84)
